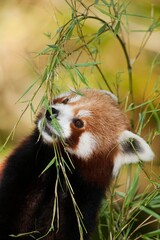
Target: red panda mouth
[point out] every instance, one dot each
(48, 131)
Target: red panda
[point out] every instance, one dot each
(94, 135)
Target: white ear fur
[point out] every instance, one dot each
(132, 149)
(110, 94)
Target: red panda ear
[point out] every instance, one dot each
(110, 94)
(131, 149)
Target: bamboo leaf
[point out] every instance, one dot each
(117, 27)
(152, 234)
(47, 34)
(70, 31)
(106, 13)
(137, 15)
(53, 46)
(49, 165)
(133, 188)
(106, 3)
(28, 89)
(44, 51)
(150, 212)
(87, 64)
(81, 76)
(102, 29)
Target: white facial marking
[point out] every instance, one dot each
(143, 151)
(75, 99)
(84, 113)
(64, 118)
(86, 146)
(71, 100)
(110, 94)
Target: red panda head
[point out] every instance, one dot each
(95, 131)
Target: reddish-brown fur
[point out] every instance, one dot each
(105, 122)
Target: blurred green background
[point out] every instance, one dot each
(24, 25)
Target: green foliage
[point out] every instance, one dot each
(130, 215)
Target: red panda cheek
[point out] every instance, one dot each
(73, 140)
(82, 145)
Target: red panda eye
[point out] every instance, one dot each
(78, 123)
(65, 101)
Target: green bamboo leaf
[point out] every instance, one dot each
(120, 194)
(137, 15)
(87, 64)
(32, 108)
(106, 3)
(30, 234)
(81, 76)
(49, 165)
(53, 46)
(69, 70)
(44, 51)
(47, 34)
(150, 212)
(133, 107)
(106, 13)
(70, 31)
(117, 27)
(152, 234)
(155, 113)
(102, 29)
(133, 188)
(59, 29)
(28, 89)
(45, 74)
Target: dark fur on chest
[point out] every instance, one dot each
(38, 209)
(27, 197)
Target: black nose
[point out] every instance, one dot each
(49, 114)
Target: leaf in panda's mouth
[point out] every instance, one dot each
(48, 131)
